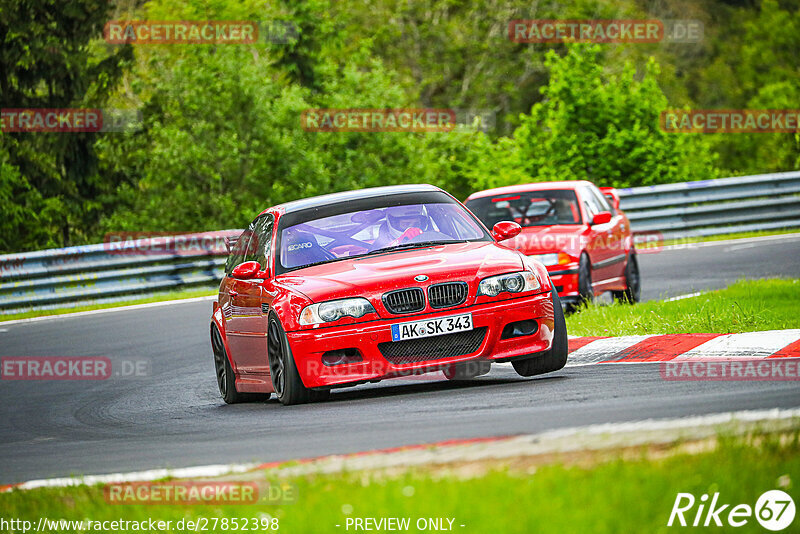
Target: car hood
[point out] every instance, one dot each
(371, 275)
(542, 239)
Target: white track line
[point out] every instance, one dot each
(107, 310)
(721, 242)
(681, 297)
(203, 471)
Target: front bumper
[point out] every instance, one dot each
(565, 280)
(308, 346)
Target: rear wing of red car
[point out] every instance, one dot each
(611, 195)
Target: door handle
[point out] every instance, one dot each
(233, 293)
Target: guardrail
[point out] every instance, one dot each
(129, 269)
(715, 207)
(117, 270)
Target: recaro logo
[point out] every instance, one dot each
(774, 510)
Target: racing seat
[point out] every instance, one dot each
(301, 248)
(565, 212)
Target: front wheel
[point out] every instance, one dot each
(633, 280)
(286, 380)
(555, 358)
(585, 289)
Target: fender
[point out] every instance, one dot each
(629, 244)
(287, 305)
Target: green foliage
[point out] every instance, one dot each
(457, 53)
(222, 135)
(47, 62)
(602, 127)
(749, 62)
(222, 138)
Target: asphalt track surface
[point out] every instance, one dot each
(175, 418)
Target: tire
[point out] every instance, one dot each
(286, 380)
(555, 358)
(226, 379)
(633, 281)
(585, 291)
(467, 370)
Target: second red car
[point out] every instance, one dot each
(585, 241)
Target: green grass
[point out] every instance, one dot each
(720, 237)
(632, 493)
(745, 306)
(172, 295)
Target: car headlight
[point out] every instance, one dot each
(511, 283)
(333, 310)
(555, 258)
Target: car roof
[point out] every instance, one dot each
(358, 194)
(524, 188)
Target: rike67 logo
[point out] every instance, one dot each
(774, 510)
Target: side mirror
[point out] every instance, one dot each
(505, 230)
(246, 270)
(601, 218)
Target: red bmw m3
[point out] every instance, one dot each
(365, 285)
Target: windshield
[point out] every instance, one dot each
(359, 232)
(533, 208)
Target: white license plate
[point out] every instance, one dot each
(432, 327)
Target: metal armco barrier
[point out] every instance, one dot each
(124, 270)
(715, 207)
(117, 270)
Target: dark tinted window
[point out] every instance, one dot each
(260, 247)
(238, 250)
(255, 244)
(533, 208)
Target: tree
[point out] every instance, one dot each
(222, 136)
(601, 127)
(49, 61)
